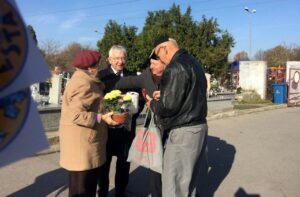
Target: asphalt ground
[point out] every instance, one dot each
(251, 153)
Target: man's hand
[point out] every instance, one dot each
(148, 100)
(156, 95)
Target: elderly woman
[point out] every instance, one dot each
(83, 127)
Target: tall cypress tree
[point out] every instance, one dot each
(33, 34)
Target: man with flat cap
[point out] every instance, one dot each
(181, 110)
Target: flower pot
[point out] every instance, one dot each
(120, 117)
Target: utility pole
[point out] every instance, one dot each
(250, 11)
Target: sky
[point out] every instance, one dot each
(65, 21)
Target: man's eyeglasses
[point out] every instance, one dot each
(118, 59)
(155, 55)
(159, 49)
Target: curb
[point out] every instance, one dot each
(233, 113)
(211, 116)
(52, 149)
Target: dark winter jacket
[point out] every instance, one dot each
(183, 93)
(144, 81)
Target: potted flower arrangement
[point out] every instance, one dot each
(117, 103)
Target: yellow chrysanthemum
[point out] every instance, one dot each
(127, 98)
(116, 92)
(109, 96)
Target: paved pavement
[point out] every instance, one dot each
(250, 155)
(255, 154)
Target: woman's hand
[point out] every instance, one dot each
(107, 118)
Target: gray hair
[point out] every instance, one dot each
(117, 48)
(174, 42)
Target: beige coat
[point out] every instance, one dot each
(82, 139)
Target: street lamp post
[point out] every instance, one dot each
(96, 31)
(250, 11)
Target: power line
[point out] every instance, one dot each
(131, 1)
(239, 5)
(86, 8)
(201, 10)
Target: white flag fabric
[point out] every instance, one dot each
(21, 64)
(21, 131)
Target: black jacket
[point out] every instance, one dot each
(109, 78)
(144, 81)
(183, 93)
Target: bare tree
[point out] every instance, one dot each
(277, 56)
(51, 52)
(68, 54)
(260, 55)
(241, 56)
(295, 56)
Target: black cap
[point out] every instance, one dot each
(161, 39)
(153, 55)
(157, 41)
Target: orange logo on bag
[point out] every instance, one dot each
(13, 112)
(13, 44)
(145, 145)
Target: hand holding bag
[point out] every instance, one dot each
(146, 148)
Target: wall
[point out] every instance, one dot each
(291, 64)
(50, 115)
(253, 76)
(55, 90)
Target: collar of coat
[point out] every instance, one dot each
(85, 74)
